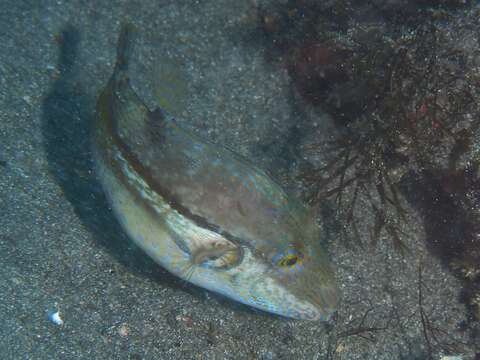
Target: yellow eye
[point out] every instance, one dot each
(290, 259)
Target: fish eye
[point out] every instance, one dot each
(290, 259)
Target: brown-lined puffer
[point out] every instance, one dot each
(205, 213)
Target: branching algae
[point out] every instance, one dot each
(205, 213)
(402, 88)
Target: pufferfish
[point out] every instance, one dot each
(202, 211)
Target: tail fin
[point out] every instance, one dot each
(125, 45)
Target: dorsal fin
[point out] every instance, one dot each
(130, 114)
(125, 46)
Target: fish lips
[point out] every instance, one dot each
(319, 304)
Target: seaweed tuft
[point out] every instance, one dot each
(403, 94)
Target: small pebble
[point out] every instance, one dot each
(123, 330)
(55, 318)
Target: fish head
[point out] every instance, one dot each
(291, 278)
(297, 282)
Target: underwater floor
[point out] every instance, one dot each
(72, 285)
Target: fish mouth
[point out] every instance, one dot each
(316, 309)
(319, 302)
(302, 303)
(326, 301)
(324, 296)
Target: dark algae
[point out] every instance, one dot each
(403, 97)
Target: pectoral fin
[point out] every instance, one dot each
(207, 248)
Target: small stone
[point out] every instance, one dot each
(27, 99)
(187, 320)
(123, 330)
(56, 318)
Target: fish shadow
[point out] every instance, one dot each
(67, 123)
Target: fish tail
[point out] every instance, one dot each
(125, 45)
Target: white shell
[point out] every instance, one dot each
(55, 318)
